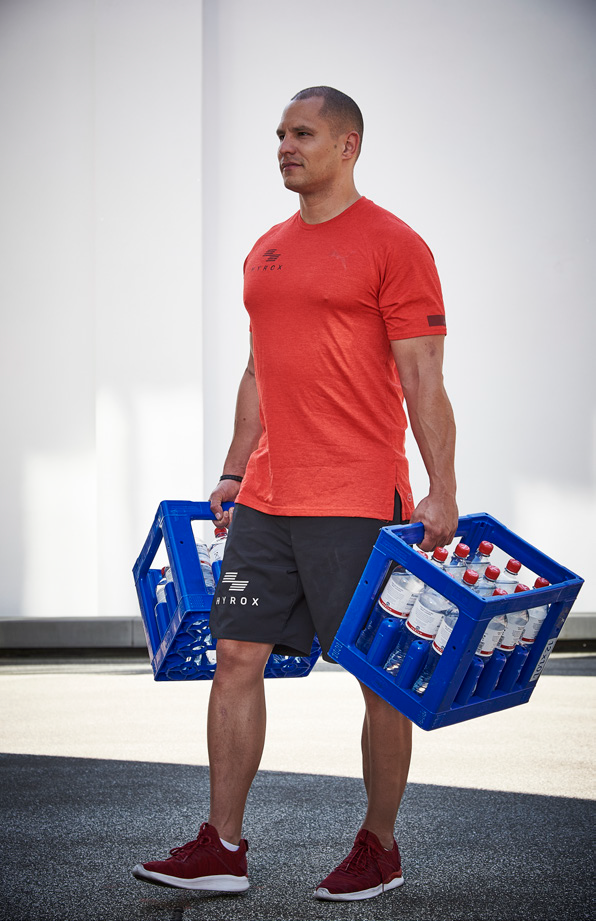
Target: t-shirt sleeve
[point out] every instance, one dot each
(410, 297)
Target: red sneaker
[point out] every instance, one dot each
(201, 864)
(368, 870)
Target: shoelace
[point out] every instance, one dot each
(185, 850)
(359, 857)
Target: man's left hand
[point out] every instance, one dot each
(439, 515)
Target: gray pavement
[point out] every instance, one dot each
(74, 824)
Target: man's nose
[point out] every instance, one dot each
(286, 146)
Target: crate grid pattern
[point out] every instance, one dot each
(439, 706)
(179, 641)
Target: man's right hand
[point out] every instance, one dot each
(225, 491)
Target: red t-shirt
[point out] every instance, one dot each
(324, 302)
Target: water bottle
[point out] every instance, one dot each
(205, 562)
(493, 633)
(439, 556)
(165, 594)
(509, 577)
(480, 560)
(440, 641)
(216, 551)
(479, 679)
(396, 601)
(457, 565)
(422, 624)
(485, 587)
(516, 622)
(536, 616)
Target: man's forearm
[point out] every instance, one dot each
(433, 427)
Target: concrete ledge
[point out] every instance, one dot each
(127, 632)
(71, 633)
(579, 627)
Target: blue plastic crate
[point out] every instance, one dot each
(444, 701)
(179, 641)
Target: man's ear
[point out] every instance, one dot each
(351, 145)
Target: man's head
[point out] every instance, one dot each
(319, 141)
(339, 110)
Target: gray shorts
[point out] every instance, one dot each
(285, 578)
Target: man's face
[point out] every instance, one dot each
(309, 154)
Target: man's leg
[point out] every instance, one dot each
(373, 866)
(386, 752)
(235, 731)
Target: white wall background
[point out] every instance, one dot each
(138, 166)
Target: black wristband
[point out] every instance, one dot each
(231, 476)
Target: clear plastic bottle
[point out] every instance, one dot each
(216, 551)
(160, 588)
(487, 583)
(516, 622)
(203, 552)
(509, 577)
(439, 556)
(457, 564)
(422, 624)
(493, 633)
(481, 558)
(440, 641)
(536, 616)
(397, 599)
(163, 611)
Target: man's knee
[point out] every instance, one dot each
(236, 658)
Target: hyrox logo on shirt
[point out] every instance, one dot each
(234, 584)
(270, 264)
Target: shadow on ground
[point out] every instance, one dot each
(73, 828)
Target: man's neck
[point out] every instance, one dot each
(316, 209)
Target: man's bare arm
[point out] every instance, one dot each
(420, 366)
(247, 431)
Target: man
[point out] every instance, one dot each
(346, 314)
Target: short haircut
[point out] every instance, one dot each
(340, 110)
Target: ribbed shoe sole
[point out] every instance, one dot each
(223, 883)
(321, 893)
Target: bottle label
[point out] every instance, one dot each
(442, 637)
(398, 599)
(217, 552)
(423, 622)
(533, 626)
(490, 640)
(511, 636)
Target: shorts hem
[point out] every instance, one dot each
(279, 648)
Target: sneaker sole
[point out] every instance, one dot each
(224, 883)
(363, 894)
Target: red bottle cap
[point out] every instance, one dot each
(462, 551)
(541, 582)
(520, 587)
(485, 547)
(513, 566)
(499, 591)
(492, 573)
(422, 553)
(470, 577)
(440, 554)
(221, 532)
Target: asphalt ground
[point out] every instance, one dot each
(102, 768)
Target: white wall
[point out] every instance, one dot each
(101, 291)
(138, 166)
